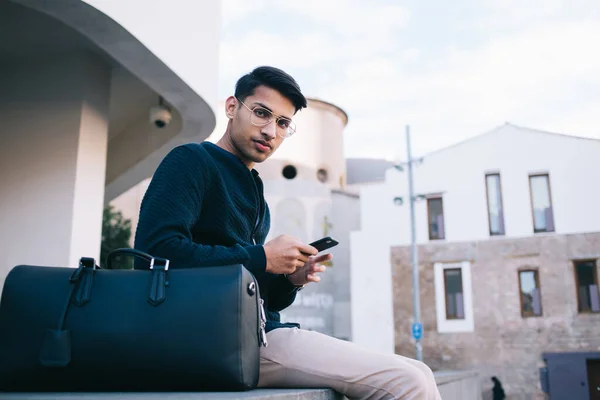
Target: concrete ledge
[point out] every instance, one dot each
(458, 385)
(270, 394)
(453, 385)
(445, 377)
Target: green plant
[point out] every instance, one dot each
(116, 233)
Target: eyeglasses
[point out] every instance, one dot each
(260, 116)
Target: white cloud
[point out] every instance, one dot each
(411, 54)
(292, 54)
(532, 64)
(511, 14)
(351, 18)
(337, 30)
(469, 92)
(256, 48)
(236, 10)
(583, 121)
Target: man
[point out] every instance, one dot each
(205, 207)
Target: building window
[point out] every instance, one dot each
(541, 203)
(586, 280)
(455, 308)
(494, 202)
(435, 212)
(289, 172)
(529, 289)
(322, 175)
(453, 297)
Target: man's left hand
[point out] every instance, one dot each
(308, 272)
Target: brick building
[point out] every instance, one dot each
(508, 234)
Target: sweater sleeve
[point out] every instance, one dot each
(282, 294)
(170, 208)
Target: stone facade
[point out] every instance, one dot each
(503, 343)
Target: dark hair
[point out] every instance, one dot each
(273, 78)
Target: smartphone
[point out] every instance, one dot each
(324, 243)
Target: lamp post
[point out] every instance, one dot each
(417, 327)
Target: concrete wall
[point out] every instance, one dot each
(310, 211)
(187, 42)
(183, 34)
(137, 139)
(371, 288)
(52, 160)
(300, 209)
(345, 218)
(501, 342)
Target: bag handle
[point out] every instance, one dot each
(159, 267)
(136, 254)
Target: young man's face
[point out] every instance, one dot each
(250, 142)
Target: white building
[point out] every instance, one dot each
(508, 233)
(77, 82)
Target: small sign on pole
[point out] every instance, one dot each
(417, 331)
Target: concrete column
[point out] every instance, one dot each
(53, 140)
(90, 169)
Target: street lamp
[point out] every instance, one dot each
(417, 327)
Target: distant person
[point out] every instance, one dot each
(205, 207)
(497, 390)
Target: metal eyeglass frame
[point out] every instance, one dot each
(289, 131)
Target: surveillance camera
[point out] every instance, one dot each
(398, 201)
(160, 116)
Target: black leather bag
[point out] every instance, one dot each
(158, 329)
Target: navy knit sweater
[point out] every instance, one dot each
(205, 208)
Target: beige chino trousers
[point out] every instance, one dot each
(297, 358)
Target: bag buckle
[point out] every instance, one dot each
(263, 322)
(165, 262)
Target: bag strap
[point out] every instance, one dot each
(83, 280)
(56, 346)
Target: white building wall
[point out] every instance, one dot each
(459, 172)
(52, 161)
(318, 143)
(194, 24)
(371, 300)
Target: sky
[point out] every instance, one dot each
(449, 70)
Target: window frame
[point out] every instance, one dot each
(441, 199)
(595, 271)
(530, 314)
(547, 175)
(459, 269)
(445, 325)
(487, 202)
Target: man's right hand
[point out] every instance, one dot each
(286, 253)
